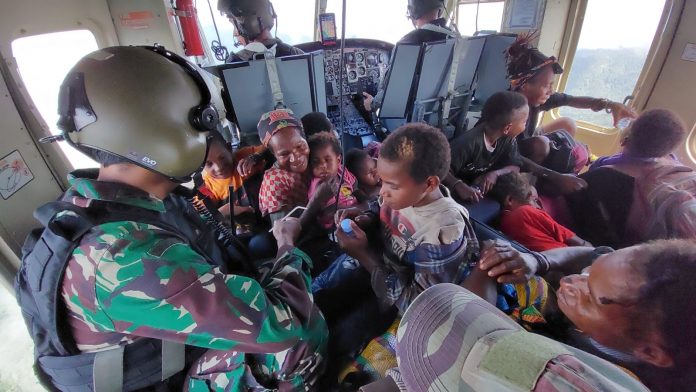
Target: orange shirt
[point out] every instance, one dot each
(219, 188)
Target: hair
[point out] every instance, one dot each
(424, 148)
(522, 58)
(316, 122)
(324, 139)
(354, 158)
(498, 110)
(655, 133)
(513, 184)
(669, 270)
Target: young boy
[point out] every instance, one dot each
(489, 150)
(220, 174)
(426, 235)
(524, 220)
(325, 163)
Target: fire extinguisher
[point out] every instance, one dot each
(187, 15)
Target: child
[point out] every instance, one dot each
(360, 163)
(316, 122)
(325, 163)
(220, 174)
(488, 150)
(524, 220)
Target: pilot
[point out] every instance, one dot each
(150, 272)
(427, 18)
(253, 20)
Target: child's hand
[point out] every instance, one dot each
(354, 244)
(486, 181)
(505, 264)
(467, 193)
(362, 219)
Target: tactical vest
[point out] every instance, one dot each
(149, 364)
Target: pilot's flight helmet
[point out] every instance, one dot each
(144, 104)
(250, 17)
(418, 8)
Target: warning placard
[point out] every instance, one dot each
(14, 174)
(137, 20)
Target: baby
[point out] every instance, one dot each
(364, 166)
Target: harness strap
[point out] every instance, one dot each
(452, 77)
(107, 373)
(274, 81)
(440, 29)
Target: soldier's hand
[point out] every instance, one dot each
(286, 231)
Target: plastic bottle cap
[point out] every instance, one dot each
(345, 226)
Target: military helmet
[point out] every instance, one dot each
(144, 104)
(250, 17)
(418, 8)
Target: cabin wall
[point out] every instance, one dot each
(676, 85)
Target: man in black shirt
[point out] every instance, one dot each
(253, 20)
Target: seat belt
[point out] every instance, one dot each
(439, 29)
(451, 78)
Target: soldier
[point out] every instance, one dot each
(144, 274)
(253, 20)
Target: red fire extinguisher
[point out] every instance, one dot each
(187, 15)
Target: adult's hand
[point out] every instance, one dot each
(250, 165)
(286, 231)
(506, 264)
(568, 183)
(619, 111)
(325, 191)
(367, 101)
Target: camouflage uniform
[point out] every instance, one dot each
(129, 279)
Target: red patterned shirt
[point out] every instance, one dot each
(280, 189)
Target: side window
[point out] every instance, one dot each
(611, 52)
(473, 16)
(43, 61)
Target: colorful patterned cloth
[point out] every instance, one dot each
(280, 189)
(128, 280)
(423, 246)
(345, 197)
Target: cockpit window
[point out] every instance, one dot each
(473, 17)
(384, 20)
(43, 61)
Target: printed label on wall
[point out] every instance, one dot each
(14, 174)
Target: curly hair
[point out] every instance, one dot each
(499, 108)
(420, 146)
(525, 62)
(323, 139)
(669, 271)
(316, 122)
(655, 133)
(354, 158)
(514, 185)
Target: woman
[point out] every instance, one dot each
(642, 193)
(532, 74)
(633, 306)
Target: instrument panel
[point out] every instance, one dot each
(366, 63)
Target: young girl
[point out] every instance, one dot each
(325, 164)
(364, 166)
